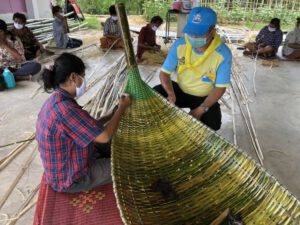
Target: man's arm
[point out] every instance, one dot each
(294, 45)
(210, 100)
(166, 82)
(146, 46)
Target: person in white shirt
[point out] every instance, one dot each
(291, 47)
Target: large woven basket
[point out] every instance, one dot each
(157, 140)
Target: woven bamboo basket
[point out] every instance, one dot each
(209, 175)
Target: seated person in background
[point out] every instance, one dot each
(291, 47)
(147, 49)
(12, 55)
(60, 30)
(31, 45)
(147, 46)
(267, 42)
(112, 31)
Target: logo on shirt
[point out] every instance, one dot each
(181, 61)
(209, 77)
(197, 18)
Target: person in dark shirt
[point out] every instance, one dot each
(31, 45)
(267, 42)
(147, 38)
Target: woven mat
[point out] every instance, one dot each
(97, 206)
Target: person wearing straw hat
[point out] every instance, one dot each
(203, 65)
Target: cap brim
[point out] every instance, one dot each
(196, 30)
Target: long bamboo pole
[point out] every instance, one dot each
(123, 21)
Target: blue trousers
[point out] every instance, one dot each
(28, 68)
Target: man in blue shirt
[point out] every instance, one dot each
(203, 64)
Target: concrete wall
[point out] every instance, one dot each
(8, 7)
(32, 8)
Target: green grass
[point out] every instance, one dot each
(93, 22)
(260, 25)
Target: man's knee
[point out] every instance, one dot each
(159, 88)
(216, 125)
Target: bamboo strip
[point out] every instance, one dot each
(18, 177)
(7, 159)
(233, 117)
(23, 207)
(247, 125)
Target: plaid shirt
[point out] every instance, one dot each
(111, 28)
(270, 38)
(65, 134)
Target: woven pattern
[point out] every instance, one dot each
(97, 206)
(157, 140)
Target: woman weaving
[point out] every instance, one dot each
(66, 134)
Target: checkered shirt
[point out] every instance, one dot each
(65, 134)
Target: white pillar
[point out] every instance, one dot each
(181, 21)
(38, 9)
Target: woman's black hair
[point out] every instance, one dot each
(3, 26)
(156, 19)
(56, 9)
(112, 10)
(20, 16)
(276, 23)
(63, 66)
(298, 20)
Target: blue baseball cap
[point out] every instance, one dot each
(199, 21)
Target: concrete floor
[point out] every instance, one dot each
(275, 110)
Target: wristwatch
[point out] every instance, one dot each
(205, 108)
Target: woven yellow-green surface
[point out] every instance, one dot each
(209, 175)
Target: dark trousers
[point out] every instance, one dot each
(99, 172)
(28, 68)
(74, 43)
(212, 118)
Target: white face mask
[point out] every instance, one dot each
(62, 14)
(81, 90)
(18, 26)
(154, 28)
(271, 29)
(115, 18)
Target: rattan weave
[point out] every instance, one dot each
(158, 140)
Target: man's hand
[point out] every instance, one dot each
(124, 102)
(172, 98)
(197, 112)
